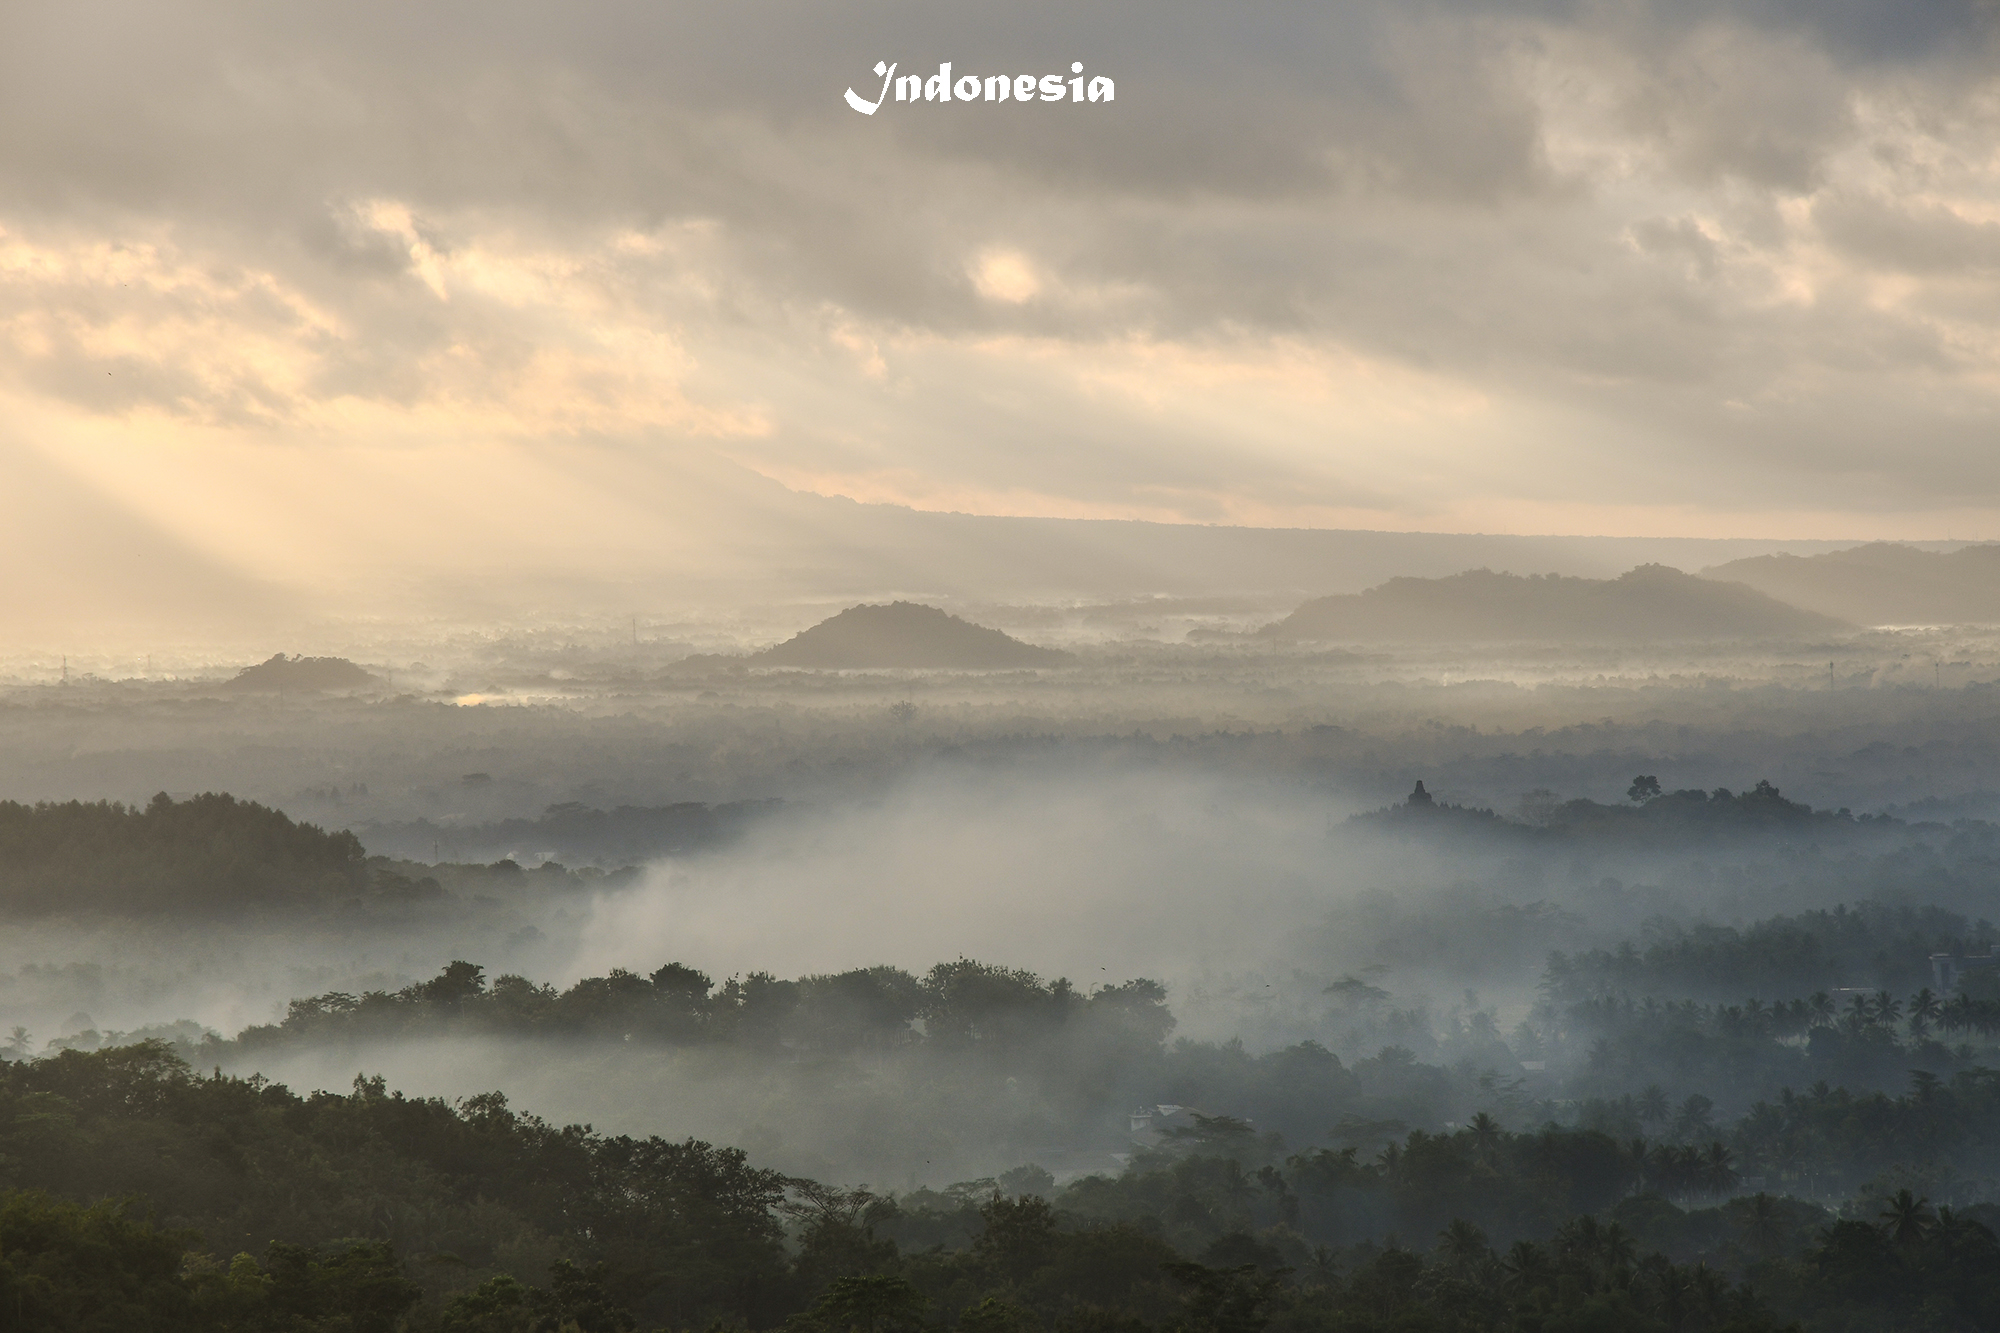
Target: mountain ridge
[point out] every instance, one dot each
(1650, 603)
(1880, 583)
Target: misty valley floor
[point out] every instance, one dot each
(1136, 989)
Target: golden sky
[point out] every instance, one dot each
(314, 296)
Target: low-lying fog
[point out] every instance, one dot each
(1179, 814)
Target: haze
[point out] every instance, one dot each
(1358, 687)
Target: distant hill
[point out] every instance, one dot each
(904, 634)
(1650, 603)
(1882, 583)
(303, 674)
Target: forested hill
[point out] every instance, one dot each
(207, 853)
(1882, 583)
(1649, 604)
(904, 634)
(375, 1213)
(1655, 819)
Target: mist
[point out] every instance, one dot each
(1351, 684)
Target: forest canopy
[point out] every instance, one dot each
(206, 853)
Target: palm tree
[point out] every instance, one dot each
(1525, 1267)
(1821, 1008)
(1463, 1245)
(1620, 1251)
(1718, 1168)
(1685, 1170)
(1924, 1010)
(1653, 1104)
(1486, 1132)
(1638, 1159)
(1906, 1218)
(1708, 1291)
(1693, 1116)
(1887, 1008)
(1763, 1226)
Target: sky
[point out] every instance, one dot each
(293, 292)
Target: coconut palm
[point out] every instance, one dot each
(1763, 1224)
(1463, 1245)
(1925, 1009)
(1718, 1169)
(1692, 1118)
(1486, 1134)
(1525, 1268)
(1906, 1218)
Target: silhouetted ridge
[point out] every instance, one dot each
(1664, 819)
(1650, 603)
(209, 852)
(1882, 583)
(280, 672)
(905, 634)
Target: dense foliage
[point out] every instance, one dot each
(1871, 945)
(208, 853)
(252, 1208)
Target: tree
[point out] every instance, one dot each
(1525, 1267)
(63, 1266)
(1226, 1300)
(1905, 1219)
(1692, 1118)
(1925, 1009)
(1463, 1245)
(1019, 1233)
(871, 1303)
(1644, 788)
(1718, 1169)
(1763, 1225)
(1486, 1135)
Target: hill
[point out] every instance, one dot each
(1647, 604)
(208, 853)
(280, 672)
(904, 634)
(1882, 583)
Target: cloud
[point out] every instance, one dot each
(1444, 264)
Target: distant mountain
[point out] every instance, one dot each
(1882, 583)
(302, 674)
(1650, 603)
(904, 634)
